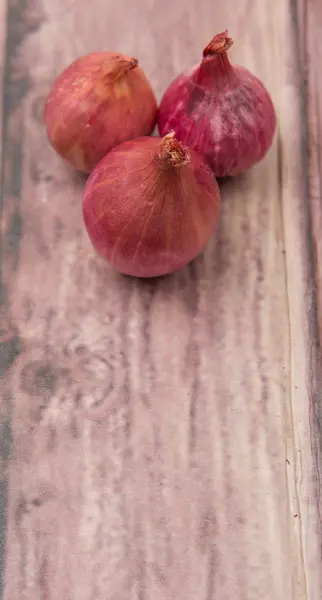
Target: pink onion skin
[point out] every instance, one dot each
(96, 103)
(222, 111)
(150, 206)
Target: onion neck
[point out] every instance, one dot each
(218, 45)
(215, 68)
(172, 154)
(114, 70)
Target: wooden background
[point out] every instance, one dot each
(162, 439)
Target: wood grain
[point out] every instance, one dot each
(166, 434)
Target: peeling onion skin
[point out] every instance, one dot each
(221, 111)
(150, 206)
(96, 103)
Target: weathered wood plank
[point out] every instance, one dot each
(8, 347)
(303, 258)
(165, 434)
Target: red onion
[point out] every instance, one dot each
(99, 101)
(220, 110)
(150, 206)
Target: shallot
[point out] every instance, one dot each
(99, 101)
(150, 206)
(220, 110)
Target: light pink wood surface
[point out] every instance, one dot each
(165, 436)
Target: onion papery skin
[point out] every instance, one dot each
(150, 206)
(222, 111)
(96, 103)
